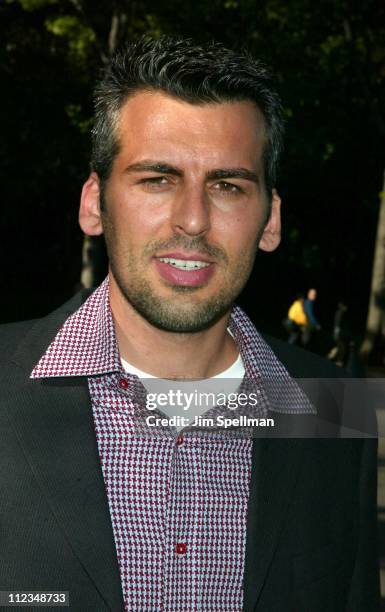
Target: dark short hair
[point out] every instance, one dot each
(198, 74)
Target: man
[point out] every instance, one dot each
(125, 516)
(312, 321)
(341, 336)
(296, 320)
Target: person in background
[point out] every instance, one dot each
(312, 321)
(296, 321)
(341, 336)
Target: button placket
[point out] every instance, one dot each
(181, 548)
(184, 549)
(180, 440)
(123, 383)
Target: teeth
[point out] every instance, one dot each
(184, 264)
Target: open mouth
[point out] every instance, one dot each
(184, 264)
(180, 271)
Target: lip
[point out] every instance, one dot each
(185, 256)
(183, 278)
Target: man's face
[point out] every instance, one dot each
(185, 207)
(312, 294)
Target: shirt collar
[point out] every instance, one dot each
(86, 343)
(86, 346)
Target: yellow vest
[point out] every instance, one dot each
(297, 314)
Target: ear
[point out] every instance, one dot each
(271, 236)
(89, 212)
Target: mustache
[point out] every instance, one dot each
(197, 243)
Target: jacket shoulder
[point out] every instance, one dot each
(301, 363)
(11, 334)
(33, 336)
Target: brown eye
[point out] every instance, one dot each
(228, 188)
(155, 183)
(155, 180)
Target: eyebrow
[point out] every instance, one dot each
(217, 174)
(153, 166)
(241, 173)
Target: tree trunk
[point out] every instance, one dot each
(87, 275)
(93, 253)
(375, 324)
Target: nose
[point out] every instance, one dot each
(191, 213)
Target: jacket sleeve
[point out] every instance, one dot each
(364, 593)
(309, 311)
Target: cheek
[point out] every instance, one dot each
(241, 233)
(133, 223)
(140, 218)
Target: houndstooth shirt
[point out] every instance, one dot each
(178, 503)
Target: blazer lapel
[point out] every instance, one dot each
(275, 467)
(54, 423)
(55, 429)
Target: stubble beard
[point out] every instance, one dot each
(183, 311)
(176, 315)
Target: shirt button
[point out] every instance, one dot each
(179, 440)
(181, 548)
(123, 384)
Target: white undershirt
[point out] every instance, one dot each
(222, 384)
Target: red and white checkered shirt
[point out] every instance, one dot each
(178, 504)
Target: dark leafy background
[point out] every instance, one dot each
(329, 58)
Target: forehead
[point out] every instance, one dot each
(154, 125)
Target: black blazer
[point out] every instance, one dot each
(311, 533)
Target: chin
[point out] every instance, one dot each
(180, 309)
(185, 320)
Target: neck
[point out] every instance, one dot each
(168, 354)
